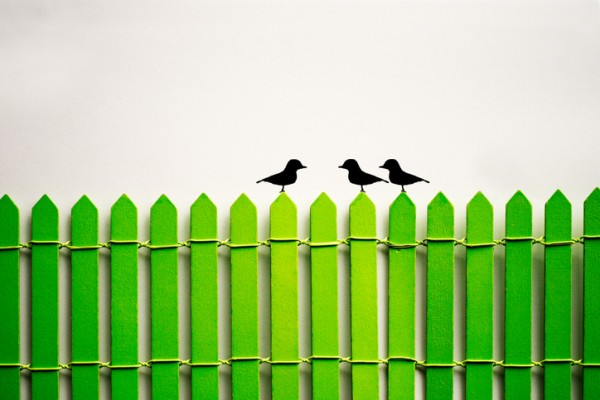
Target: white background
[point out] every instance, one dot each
(184, 97)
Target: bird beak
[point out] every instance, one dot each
(340, 166)
(304, 166)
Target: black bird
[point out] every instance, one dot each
(399, 177)
(285, 177)
(359, 177)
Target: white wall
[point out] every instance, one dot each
(184, 97)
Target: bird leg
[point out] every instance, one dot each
(361, 189)
(282, 189)
(403, 191)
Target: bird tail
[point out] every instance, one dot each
(425, 180)
(384, 180)
(260, 181)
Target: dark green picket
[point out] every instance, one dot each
(517, 339)
(591, 293)
(84, 305)
(164, 300)
(324, 299)
(480, 298)
(204, 299)
(284, 299)
(402, 299)
(363, 298)
(44, 300)
(244, 300)
(9, 300)
(124, 300)
(557, 307)
(440, 299)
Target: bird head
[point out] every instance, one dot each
(391, 164)
(294, 165)
(349, 164)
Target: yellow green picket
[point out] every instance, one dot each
(324, 299)
(204, 294)
(402, 299)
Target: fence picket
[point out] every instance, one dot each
(363, 298)
(204, 297)
(124, 299)
(244, 300)
(480, 298)
(44, 300)
(9, 300)
(440, 299)
(557, 307)
(324, 306)
(284, 299)
(518, 298)
(402, 299)
(84, 300)
(165, 332)
(591, 293)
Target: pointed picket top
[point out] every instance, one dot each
(403, 216)
(123, 222)
(203, 218)
(9, 215)
(480, 216)
(440, 217)
(44, 220)
(363, 211)
(84, 222)
(591, 213)
(558, 217)
(163, 221)
(243, 220)
(283, 217)
(323, 226)
(518, 216)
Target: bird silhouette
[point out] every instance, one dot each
(359, 177)
(285, 177)
(399, 177)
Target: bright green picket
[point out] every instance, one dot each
(591, 293)
(84, 305)
(44, 300)
(124, 299)
(164, 300)
(518, 311)
(402, 299)
(244, 300)
(440, 299)
(284, 299)
(557, 307)
(363, 298)
(480, 298)
(324, 298)
(9, 299)
(204, 299)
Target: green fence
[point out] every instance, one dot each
(399, 367)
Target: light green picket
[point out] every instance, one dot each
(402, 299)
(363, 298)
(440, 299)
(284, 299)
(84, 305)
(124, 299)
(480, 298)
(324, 299)
(517, 331)
(591, 293)
(44, 300)
(9, 299)
(557, 307)
(165, 331)
(244, 300)
(204, 299)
